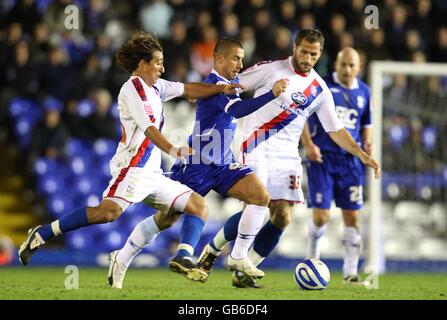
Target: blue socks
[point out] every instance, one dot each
(74, 220)
(231, 226)
(190, 235)
(267, 239)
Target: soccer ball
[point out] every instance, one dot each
(312, 274)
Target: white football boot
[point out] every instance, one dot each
(245, 266)
(117, 271)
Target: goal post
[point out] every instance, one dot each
(378, 70)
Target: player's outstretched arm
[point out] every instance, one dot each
(199, 90)
(366, 140)
(163, 144)
(343, 138)
(242, 108)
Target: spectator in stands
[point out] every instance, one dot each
(439, 51)
(49, 138)
(101, 123)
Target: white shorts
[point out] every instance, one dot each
(131, 185)
(282, 177)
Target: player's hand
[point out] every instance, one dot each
(370, 162)
(313, 153)
(182, 152)
(280, 86)
(234, 88)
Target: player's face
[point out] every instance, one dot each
(154, 68)
(347, 67)
(306, 55)
(232, 63)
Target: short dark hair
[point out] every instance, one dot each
(140, 46)
(224, 46)
(311, 35)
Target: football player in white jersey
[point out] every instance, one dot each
(270, 142)
(135, 168)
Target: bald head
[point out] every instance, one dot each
(347, 66)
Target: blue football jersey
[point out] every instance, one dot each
(353, 109)
(214, 128)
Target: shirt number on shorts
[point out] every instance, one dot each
(356, 193)
(294, 182)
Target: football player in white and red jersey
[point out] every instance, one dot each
(270, 142)
(135, 168)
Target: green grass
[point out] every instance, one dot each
(48, 283)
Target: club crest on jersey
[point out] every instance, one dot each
(313, 90)
(360, 102)
(299, 98)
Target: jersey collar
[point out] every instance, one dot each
(217, 74)
(355, 85)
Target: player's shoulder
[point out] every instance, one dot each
(364, 86)
(267, 65)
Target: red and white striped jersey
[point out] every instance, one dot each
(276, 128)
(140, 106)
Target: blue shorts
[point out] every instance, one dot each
(339, 177)
(204, 178)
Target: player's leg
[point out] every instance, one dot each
(351, 242)
(142, 235)
(250, 190)
(316, 229)
(348, 194)
(200, 178)
(320, 194)
(106, 211)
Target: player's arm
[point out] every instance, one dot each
(163, 144)
(312, 150)
(334, 127)
(367, 139)
(199, 90)
(241, 108)
(344, 139)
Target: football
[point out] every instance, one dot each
(312, 274)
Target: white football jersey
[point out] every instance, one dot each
(140, 106)
(275, 129)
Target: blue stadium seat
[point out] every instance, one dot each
(79, 147)
(59, 204)
(82, 239)
(51, 183)
(86, 185)
(83, 164)
(52, 103)
(86, 107)
(112, 240)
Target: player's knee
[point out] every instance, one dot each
(260, 198)
(201, 208)
(321, 220)
(111, 214)
(281, 220)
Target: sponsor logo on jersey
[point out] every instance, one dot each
(299, 98)
(347, 116)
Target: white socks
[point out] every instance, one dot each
(314, 234)
(142, 235)
(351, 247)
(255, 257)
(251, 222)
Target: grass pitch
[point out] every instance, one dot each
(159, 284)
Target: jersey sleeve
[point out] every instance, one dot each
(326, 113)
(365, 121)
(169, 90)
(142, 114)
(256, 76)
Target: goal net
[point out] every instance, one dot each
(407, 211)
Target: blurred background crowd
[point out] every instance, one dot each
(58, 119)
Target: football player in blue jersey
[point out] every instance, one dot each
(334, 174)
(213, 167)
